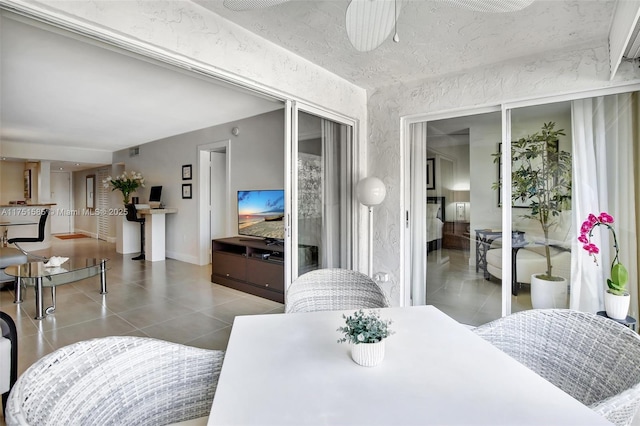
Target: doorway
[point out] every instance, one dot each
(451, 196)
(214, 161)
(61, 196)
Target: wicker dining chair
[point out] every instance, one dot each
(592, 358)
(118, 380)
(333, 289)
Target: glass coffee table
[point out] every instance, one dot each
(38, 276)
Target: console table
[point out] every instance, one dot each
(155, 232)
(249, 265)
(39, 276)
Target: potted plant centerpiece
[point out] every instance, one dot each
(366, 332)
(125, 183)
(541, 176)
(616, 298)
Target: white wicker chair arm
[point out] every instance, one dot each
(116, 381)
(620, 409)
(592, 358)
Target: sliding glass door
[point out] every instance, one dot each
(321, 192)
(535, 175)
(453, 211)
(541, 206)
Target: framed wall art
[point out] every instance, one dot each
(186, 190)
(90, 191)
(431, 173)
(27, 184)
(186, 172)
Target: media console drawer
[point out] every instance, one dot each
(229, 265)
(249, 265)
(266, 274)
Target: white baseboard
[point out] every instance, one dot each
(182, 257)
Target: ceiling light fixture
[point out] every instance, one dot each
(396, 38)
(370, 22)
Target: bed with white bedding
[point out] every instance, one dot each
(435, 223)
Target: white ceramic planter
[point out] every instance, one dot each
(616, 306)
(368, 354)
(548, 294)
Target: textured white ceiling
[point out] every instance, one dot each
(435, 37)
(62, 90)
(59, 90)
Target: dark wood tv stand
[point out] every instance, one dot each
(249, 265)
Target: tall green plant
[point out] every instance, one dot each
(541, 176)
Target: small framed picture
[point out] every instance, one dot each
(431, 173)
(186, 172)
(186, 190)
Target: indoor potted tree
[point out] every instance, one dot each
(541, 177)
(366, 332)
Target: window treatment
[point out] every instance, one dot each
(330, 247)
(417, 213)
(604, 140)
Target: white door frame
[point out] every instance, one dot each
(505, 108)
(204, 218)
(61, 209)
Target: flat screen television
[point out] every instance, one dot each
(261, 214)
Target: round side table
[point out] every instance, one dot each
(628, 321)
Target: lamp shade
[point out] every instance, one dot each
(371, 191)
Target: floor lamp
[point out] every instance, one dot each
(371, 192)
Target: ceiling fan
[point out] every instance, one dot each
(370, 22)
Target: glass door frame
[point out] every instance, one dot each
(405, 136)
(505, 108)
(293, 108)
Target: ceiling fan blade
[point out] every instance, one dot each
(370, 22)
(492, 6)
(240, 5)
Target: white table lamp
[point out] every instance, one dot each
(371, 192)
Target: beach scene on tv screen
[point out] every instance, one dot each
(261, 213)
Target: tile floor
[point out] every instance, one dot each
(454, 287)
(168, 300)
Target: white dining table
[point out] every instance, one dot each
(288, 369)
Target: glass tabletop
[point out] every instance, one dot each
(78, 267)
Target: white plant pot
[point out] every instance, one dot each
(548, 294)
(616, 306)
(368, 354)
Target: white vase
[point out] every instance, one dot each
(548, 294)
(616, 306)
(368, 354)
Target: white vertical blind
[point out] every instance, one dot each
(102, 204)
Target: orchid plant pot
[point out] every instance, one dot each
(617, 306)
(367, 354)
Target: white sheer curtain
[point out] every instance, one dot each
(330, 247)
(417, 214)
(603, 180)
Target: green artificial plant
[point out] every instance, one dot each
(541, 176)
